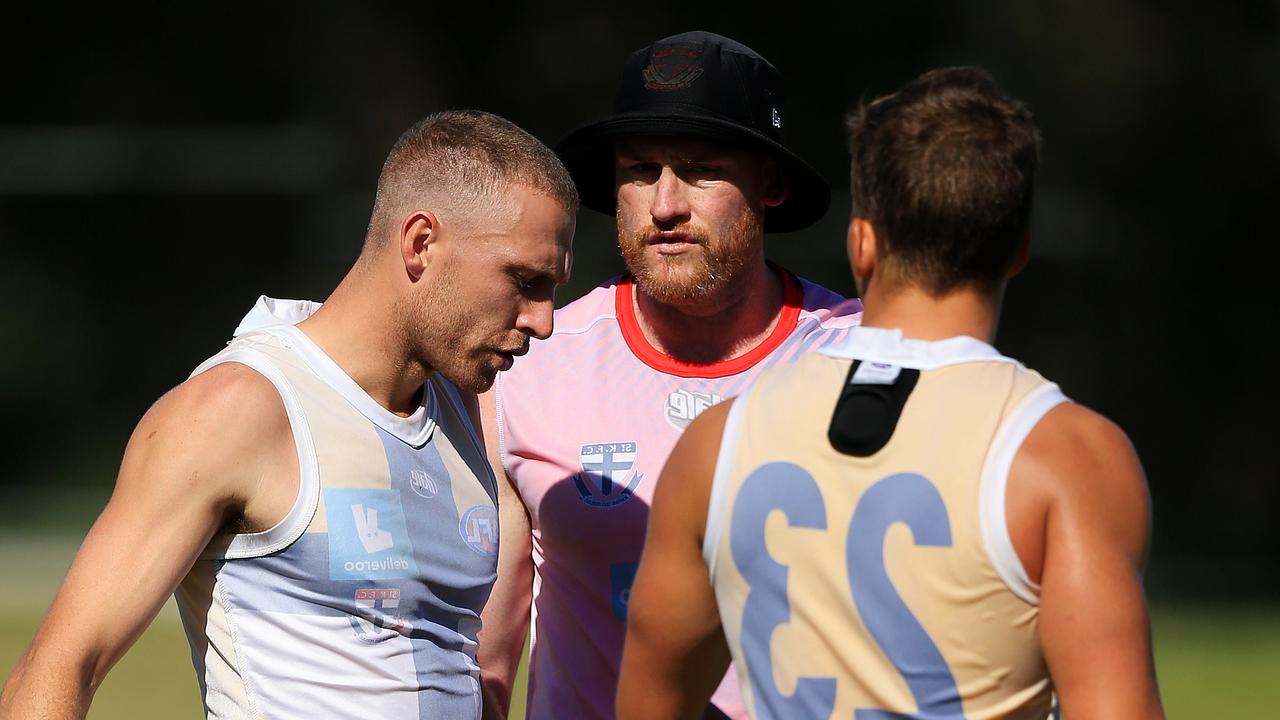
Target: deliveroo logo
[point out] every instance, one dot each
(368, 539)
(373, 538)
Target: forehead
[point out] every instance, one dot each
(674, 149)
(534, 227)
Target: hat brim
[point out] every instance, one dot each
(588, 154)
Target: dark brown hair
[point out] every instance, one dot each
(944, 170)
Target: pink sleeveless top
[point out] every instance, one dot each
(586, 421)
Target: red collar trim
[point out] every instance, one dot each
(792, 299)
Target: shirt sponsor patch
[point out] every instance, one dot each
(422, 483)
(367, 535)
(685, 405)
(609, 477)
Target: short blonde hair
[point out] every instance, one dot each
(463, 162)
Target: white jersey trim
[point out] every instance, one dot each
(414, 430)
(589, 326)
(889, 345)
(278, 318)
(500, 425)
(295, 522)
(721, 480)
(995, 482)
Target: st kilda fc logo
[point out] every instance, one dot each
(609, 476)
(377, 614)
(673, 67)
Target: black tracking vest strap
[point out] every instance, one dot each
(869, 407)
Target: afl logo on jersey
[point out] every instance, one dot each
(608, 476)
(479, 528)
(685, 405)
(422, 483)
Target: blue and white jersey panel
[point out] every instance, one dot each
(365, 600)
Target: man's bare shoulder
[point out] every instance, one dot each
(703, 434)
(1073, 438)
(212, 430)
(1081, 462)
(231, 399)
(685, 484)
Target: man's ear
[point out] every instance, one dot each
(1022, 255)
(776, 184)
(863, 251)
(419, 233)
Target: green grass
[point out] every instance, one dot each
(1214, 661)
(1218, 661)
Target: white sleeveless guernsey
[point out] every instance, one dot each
(365, 600)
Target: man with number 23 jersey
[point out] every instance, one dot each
(906, 523)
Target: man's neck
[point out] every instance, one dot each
(924, 317)
(719, 328)
(358, 329)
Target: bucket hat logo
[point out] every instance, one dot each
(673, 67)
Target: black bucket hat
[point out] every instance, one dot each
(697, 85)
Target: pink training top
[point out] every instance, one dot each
(586, 421)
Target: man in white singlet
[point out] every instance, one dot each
(694, 168)
(906, 523)
(316, 494)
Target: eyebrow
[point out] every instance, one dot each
(552, 271)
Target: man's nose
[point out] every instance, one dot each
(536, 318)
(670, 197)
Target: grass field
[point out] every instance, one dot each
(1214, 661)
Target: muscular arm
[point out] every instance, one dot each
(506, 615)
(191, 465)
(1079, 481)
(673, 661)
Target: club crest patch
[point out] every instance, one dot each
(377, 615)
(609, 477)
(673, 67)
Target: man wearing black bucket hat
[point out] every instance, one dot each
(695, 169)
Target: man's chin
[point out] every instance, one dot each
(676, 289)
(472, 382)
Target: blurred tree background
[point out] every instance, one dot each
(163, 164)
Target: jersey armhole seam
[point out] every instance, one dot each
(994, 483)
(295, 522)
